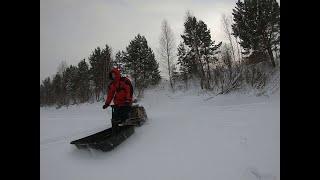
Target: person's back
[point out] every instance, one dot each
(120, 89)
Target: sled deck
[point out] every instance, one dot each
(104, 140)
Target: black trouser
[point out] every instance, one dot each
(119, 115)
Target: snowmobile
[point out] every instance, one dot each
(107, 140)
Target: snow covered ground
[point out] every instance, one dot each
(228, 137)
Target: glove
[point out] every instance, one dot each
(105, 106)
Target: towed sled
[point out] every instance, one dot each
(106, 140)
(137, 116)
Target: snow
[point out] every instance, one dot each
(188, 136)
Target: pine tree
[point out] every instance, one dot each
(42, 95)
(84, 84)
(191, 40)
(185, 62)
(47, 92)
(101, 64)
(71, 84)
(58, 89)
(141, 63)
(208, 50)
(120, 62)
(151, 69)
(106, 67)
(202, 49)
(257, 24)
(95, 71)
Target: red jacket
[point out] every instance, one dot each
(120, 90)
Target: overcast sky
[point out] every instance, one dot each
(71, 29)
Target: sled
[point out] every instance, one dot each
(137, 116)
(106, 140)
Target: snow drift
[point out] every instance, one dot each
(188, 136)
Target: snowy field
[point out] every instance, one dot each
(187, 137)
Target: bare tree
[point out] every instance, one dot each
(226, 24)
(62, 67)
(238, 48)
(167, 48)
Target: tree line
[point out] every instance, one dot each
(249, 57)
(251, 54)
(89, 81)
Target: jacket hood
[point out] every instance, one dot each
(116, 72)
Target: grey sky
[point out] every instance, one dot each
(71, 29)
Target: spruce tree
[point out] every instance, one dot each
(101, 64)
(257, 24)
(141, 63)
(202, 49)
(185, 62)
(58, 89)
(84, 84)
(106, 62)
(95, 71)
(120, 62)
(208, 49)
(42, 95)
(71, 84)
(46, 91)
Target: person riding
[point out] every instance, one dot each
(120, 90)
